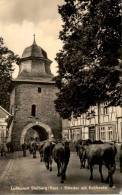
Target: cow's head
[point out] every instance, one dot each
(82, 150)
(66, 143)
(82, 155)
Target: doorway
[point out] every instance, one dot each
(92, 134)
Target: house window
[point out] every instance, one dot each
(102, 133)
(39, 89)
(110, 133)
(105, 110)
(78, 136)
(83, 135)
(72, 135)
(33, 110)
(16, 107)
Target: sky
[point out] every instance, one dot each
(21, 19)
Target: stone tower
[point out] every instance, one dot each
(32, 98)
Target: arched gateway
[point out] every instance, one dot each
(32, 97)
(43, 129)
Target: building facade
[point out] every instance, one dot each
(101, 122)
(32, 98)
(4, 125)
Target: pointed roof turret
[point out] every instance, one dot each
(34, 65)
(34, 41)
(34, 51)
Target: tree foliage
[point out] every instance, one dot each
(7, 58)
(89, 68)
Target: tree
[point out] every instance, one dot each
(7, 58)
(89, 68)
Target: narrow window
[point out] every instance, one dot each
(39, 89)
(102, 133)
(105, 110)
(33, 110)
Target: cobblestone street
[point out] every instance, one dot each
(25, 175)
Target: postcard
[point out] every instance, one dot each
(60, 97)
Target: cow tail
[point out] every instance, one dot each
(115, 149)
(47, 151)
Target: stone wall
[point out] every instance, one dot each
(27, 95)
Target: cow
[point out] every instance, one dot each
(41, 151)
(34, 148)
(119, 154)
(102, 154)
(10, 146)
(82, 147)
(30, 147)
(77, 145)
(120, 158)
(47, 151)
(97, 142)
(61, 155)
(82, 142)
(86, 142)
(81, 150)
(82, 156)
(24, 148)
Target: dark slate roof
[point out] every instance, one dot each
(34, 51)
(45, 80)
(4, 111)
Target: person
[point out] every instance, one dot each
(24, 149)
(2, 150)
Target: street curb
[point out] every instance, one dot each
(7, 169)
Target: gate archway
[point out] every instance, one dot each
(43, 127)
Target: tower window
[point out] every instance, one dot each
(39, 89)
(33, 110)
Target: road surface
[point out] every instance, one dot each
(25, 175)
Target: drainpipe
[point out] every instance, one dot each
(69, 134)
(99, 119)
(117, 132)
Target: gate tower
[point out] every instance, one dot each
(32, 98)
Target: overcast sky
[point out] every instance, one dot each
(20, 19)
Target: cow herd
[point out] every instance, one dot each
(90, 154)
(48, 150)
